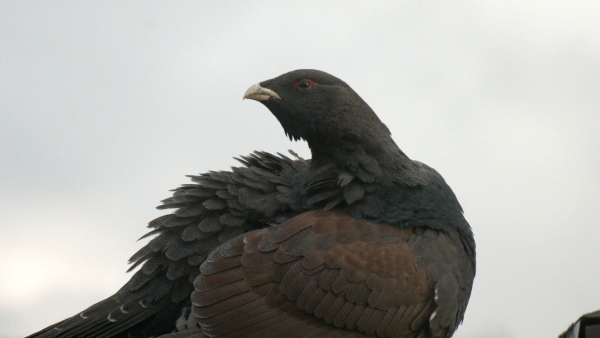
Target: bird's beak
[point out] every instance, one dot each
(258, 93)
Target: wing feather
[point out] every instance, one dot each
(321, 273)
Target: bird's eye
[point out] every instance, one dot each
(304, 84)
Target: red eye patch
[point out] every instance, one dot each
(312, 83)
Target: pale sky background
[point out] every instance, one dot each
(105, 106)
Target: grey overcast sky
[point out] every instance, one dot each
(106, 105)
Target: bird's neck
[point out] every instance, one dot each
(377, 160)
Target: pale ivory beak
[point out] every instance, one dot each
(258, 93)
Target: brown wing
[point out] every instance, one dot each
(321, 274)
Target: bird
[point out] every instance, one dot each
(357, 241)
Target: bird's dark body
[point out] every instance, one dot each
(359, 241)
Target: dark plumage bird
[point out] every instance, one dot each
(359, 241)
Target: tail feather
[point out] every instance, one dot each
(217, 207)
(103, 319)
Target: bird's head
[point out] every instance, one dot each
(321, 109)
